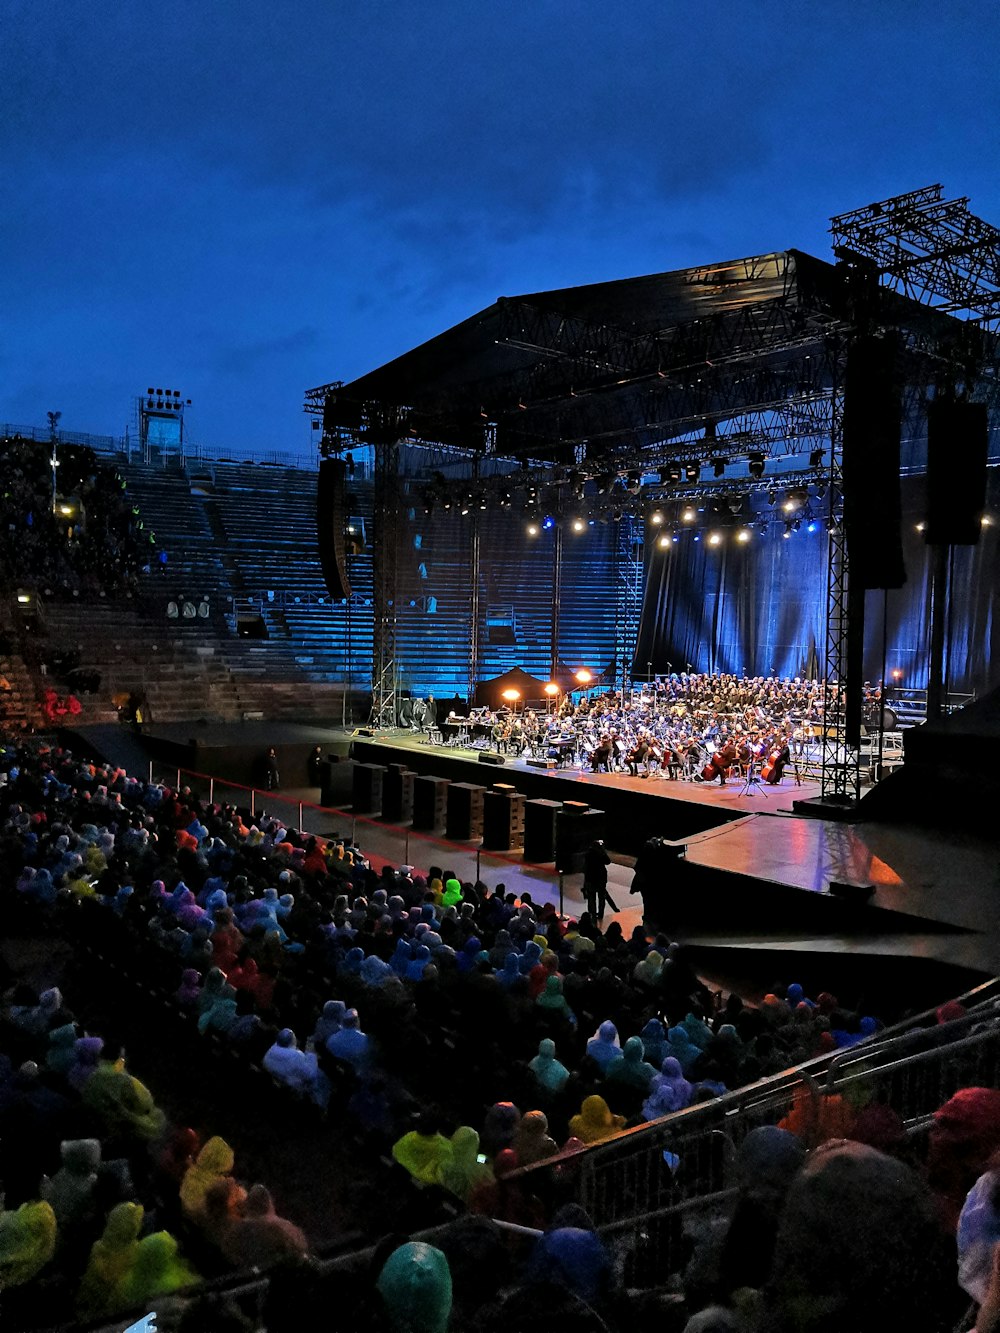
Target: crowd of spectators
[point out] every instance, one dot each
(463, 1031)
(79, 538)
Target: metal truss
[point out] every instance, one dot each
(930, 249)
(840, 772)
(386, 514)
(629, 587)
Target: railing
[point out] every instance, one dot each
(301, 459)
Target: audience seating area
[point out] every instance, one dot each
(411, 1020)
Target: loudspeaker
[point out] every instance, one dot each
(430, 796)
(540, 830)
(576, 828)
(488, 757)
(873, 522)
(957, 447)
(397, 794)
(330, 520)
(503, 820)
(465, 811)
(852, 893)
(366, 796)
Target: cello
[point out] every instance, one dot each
(774, 765)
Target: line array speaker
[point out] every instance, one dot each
(330, 522)
(957, 447)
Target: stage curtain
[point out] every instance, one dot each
(761, 607)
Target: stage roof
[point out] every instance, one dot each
(616, 367)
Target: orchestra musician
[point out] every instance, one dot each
(774, 765)
(720, 763)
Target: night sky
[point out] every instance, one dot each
(241, 200)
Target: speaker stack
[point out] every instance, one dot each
(397, 794)
(465, 811)
(540, 830)
(430, 802)
(503, 818)
(367, 789)
(577, 826)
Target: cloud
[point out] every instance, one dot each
(242, 358)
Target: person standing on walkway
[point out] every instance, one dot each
(595, 880)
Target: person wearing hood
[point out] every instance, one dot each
(214, 1162)
(654, 1042)
(122, 1102)
(27, 1242)
(631, 1070)
(595, 1121)
(62, 1049)
(553, 1002)
(462, 1172)
(604, 1047)
(259, 1237)
(351, 1045)
(415, 1287)
(573, 1257)
(683, 1049)
(298, 1070)
(549, 1072)
(111, 1257)
(424, 1151)
(963, 1138)
(532, 1142)
(157, 1270)
(86, 1057)
(71, 1190)
(767, 1162)
(329, 1021)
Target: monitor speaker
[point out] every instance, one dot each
(487, 757)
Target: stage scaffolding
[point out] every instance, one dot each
(620, 394)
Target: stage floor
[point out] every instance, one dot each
(735, 796)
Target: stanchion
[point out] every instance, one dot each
(300, 816)
(178, 787)
(354, 829)
(253, 803)
(406, 849)
(211, 791)
(151, 771)
(561, 911)
(478, 855)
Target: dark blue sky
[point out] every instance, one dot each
(241, 199)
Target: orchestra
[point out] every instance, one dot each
(707, 728)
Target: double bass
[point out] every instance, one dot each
(720, 763)
(774, 764)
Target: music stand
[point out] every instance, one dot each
(752, 781)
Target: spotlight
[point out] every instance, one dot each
(692, 471)
(673, 473)
(755, 466)
(634, 483)
(663, 541)
(715, 539)
(816, 458)
(788, 531)
(482, 500)
(772, 496)
(812, 525)
(820, 490)
(718, 466)
(689, 515)
(532, 529)
(548, 522)
(604, 482)
(796, 524)
(921, 526)
(986, 521)
(743, 535)
(656, 517)
(578, 524)
(735, 503)
(505, 499)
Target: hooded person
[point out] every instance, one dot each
(575, 1258)
(123, 1103)
(549, 1072)
(553, 1002)
(462, 1171)
(188, 992)
(71, 1190)
(604, 1047)
(654, 1042)
(452, 895)
(499, 1127)
(86, 1057)
(415, 1287)
(963, 1138)
(532, 1142)
(329, 1021)
(60, 1055)
(298, 1070)
(595, 1121)
(631, 1070)
(767, 1162)
(214, 1162)
(424, 1151)
(157, 1270)
(978, 1236)
(351, 1045)
(258, 1237)
(682, 1048)
(110, 1259)
(859, 1247)
(27, 1242)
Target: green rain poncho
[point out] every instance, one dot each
(463, 1172)
(424, 1155)
(213, 1163)
(111, 1257)
(415, 1286)
(156, 1271)
(27, 1242)
(123, 1102)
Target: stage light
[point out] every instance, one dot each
(820, 490)
(735, 503)
(584, 676)
(743, 535)
(830, 524)
(689, 514)
(532, 529)
(446, 502)
(656, 517)
(578, 525)
(897, 674)
(604, 482)
(552, 689)
(718, 466)
(788, 531)
(505, 499)
(796, 524)
(921, 526)
(816, 458)
(715, 539)
(548, 522)
(663, 541)
(675, 536)
(634, 483)
(482, 500)
(755, 466)
(812, 525)
(772, 496)
(511, 696)
(692, 471)
(986, 521)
